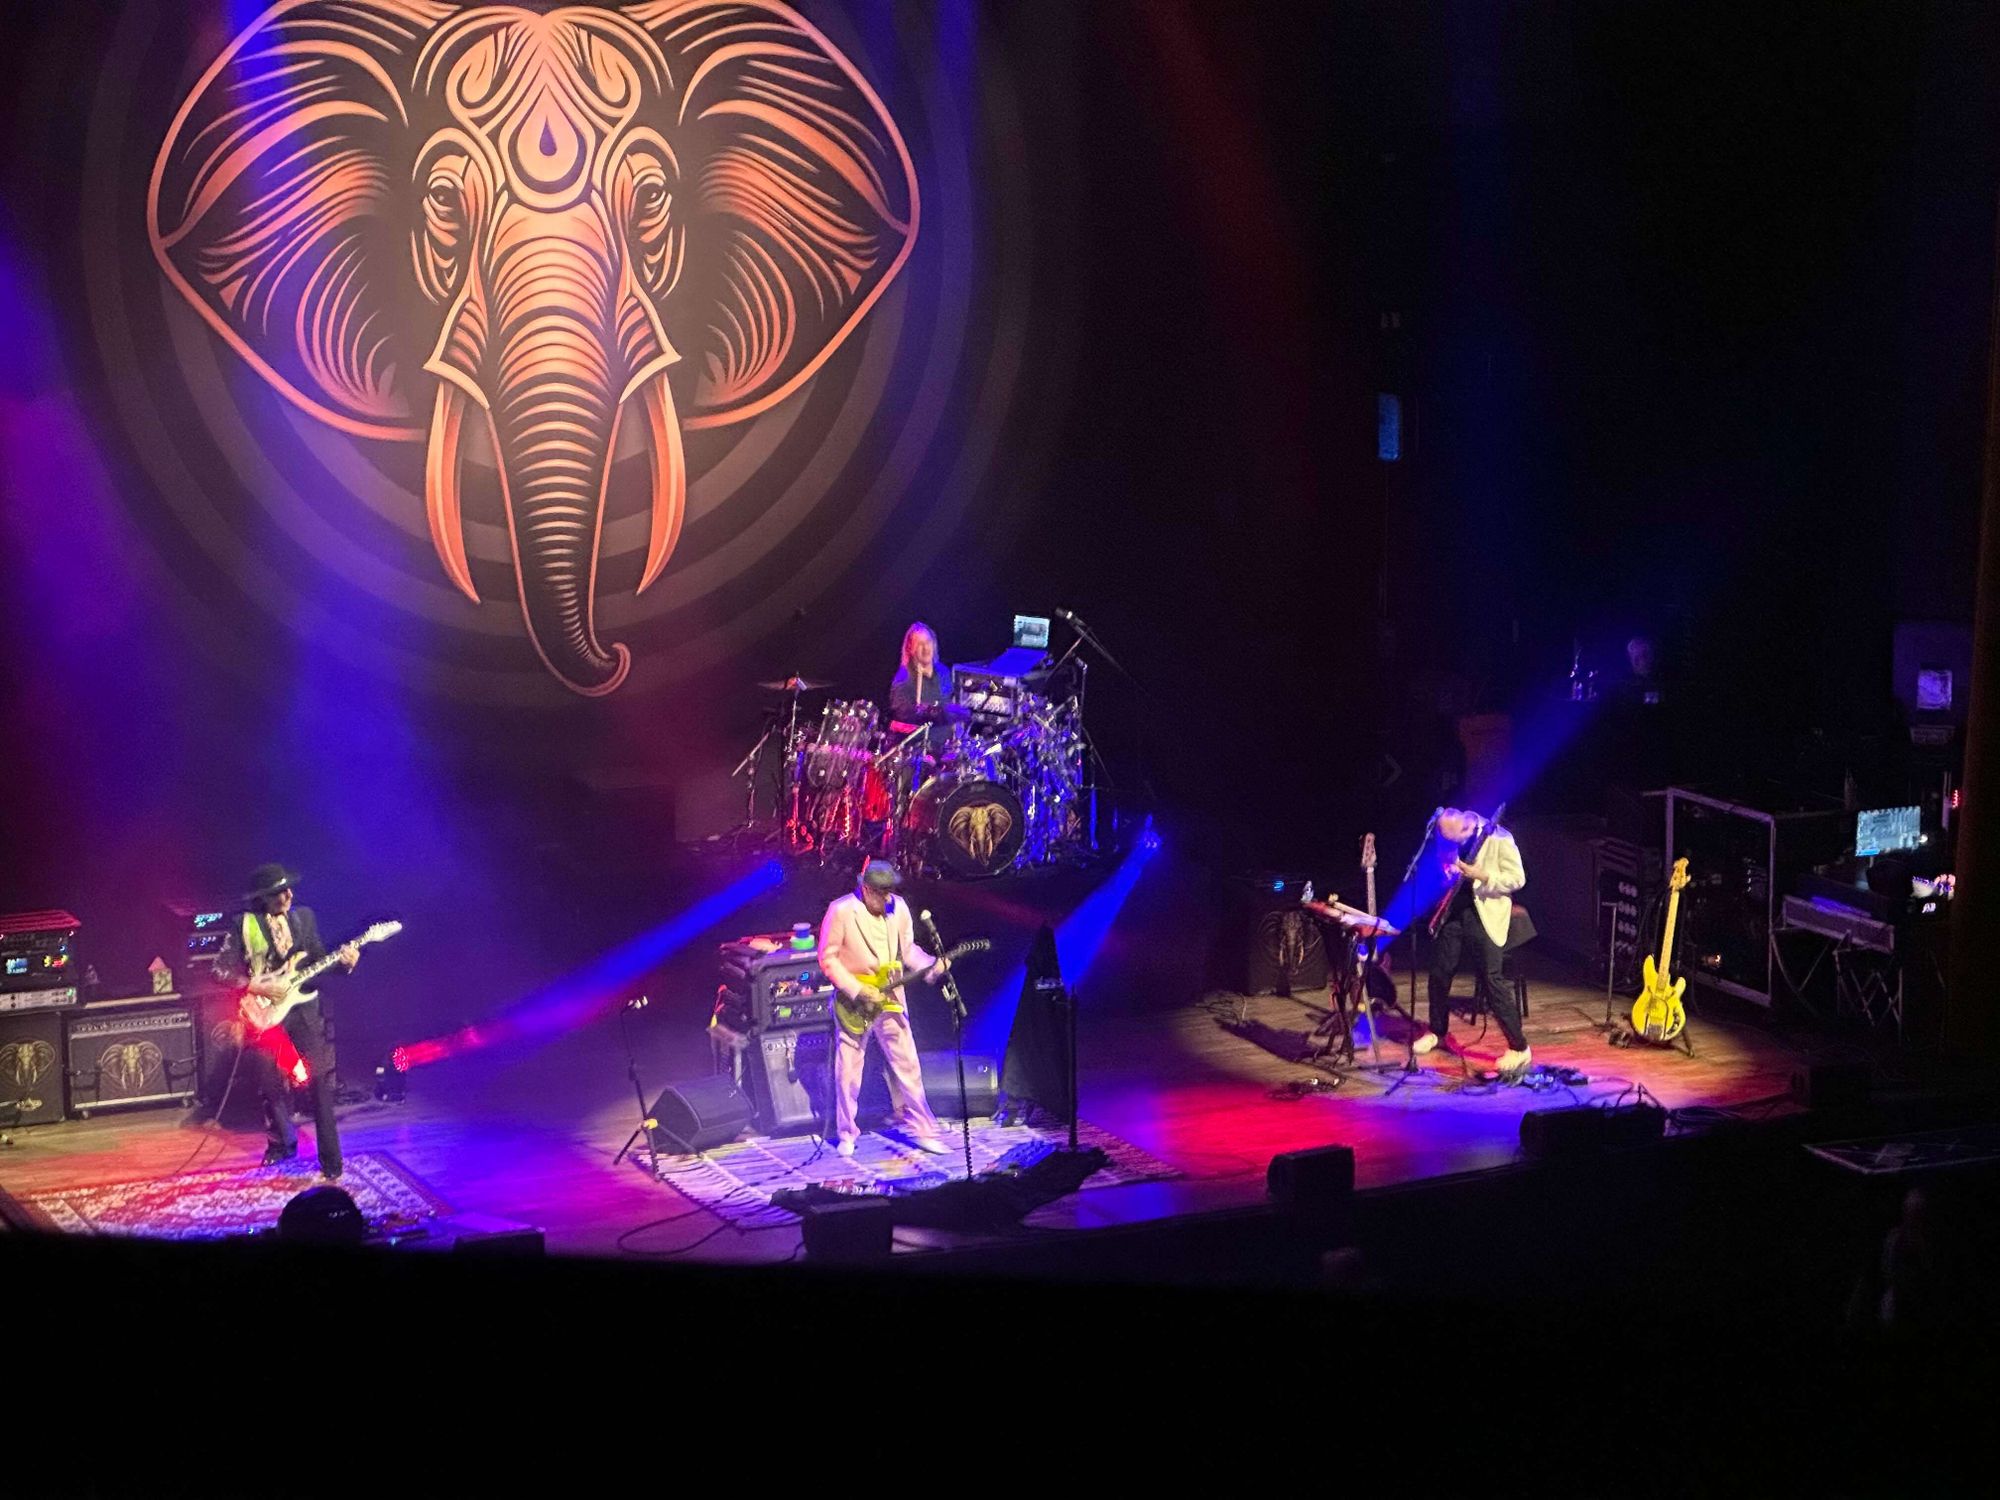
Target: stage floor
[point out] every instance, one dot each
(1205, 1089)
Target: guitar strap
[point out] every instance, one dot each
(868, 941)
(267, 948)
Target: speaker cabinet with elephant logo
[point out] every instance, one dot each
(121, 1053)
(31, 1077)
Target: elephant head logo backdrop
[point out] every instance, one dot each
(408, 216)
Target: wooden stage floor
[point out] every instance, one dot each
(1185, 1085)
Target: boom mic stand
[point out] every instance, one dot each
(948, 987)
(1090, 639)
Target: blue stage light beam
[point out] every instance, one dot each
(600, 986)
(1080, 938)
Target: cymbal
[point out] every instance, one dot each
(795, 685)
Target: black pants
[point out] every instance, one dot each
(307, 1029)
(1460, 932)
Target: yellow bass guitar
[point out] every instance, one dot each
(1658, 1016)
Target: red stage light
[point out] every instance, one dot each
(400, 1059)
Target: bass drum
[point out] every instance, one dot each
(968, 828)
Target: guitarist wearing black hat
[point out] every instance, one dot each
(273, 929)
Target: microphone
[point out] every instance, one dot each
(1063, 614)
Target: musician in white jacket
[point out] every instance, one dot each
(1481, 909)
(860, 934)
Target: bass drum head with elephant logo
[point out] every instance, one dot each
(976, 827)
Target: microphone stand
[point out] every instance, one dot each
(1410, 1069)
(1089, 637)
(646, 1121)
(948, 987)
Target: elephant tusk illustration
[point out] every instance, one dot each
(663, 431)
(441, 493)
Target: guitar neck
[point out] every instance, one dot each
(1667, 936)
(880, 982)
(321, 964)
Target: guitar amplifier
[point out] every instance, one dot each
(128, 1052)
(36, 951)
(778, 988)
(788, 1080)
(31, 1075)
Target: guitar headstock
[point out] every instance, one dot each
(1367, 851)
(379, 931)
(1678, 881)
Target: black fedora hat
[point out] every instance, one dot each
(268, 880)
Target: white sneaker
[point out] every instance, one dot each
(1511, 1061)
(845, 1148)
(1425, 1043)
(935, 1147)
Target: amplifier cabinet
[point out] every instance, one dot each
(940, 1069)
(788, 1080)
(129, 1052)
(31, 1075)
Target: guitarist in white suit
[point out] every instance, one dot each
(1480, 911)
(862, 932)
(271, 929)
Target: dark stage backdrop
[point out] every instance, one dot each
(410, 415)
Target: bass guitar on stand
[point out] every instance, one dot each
(1657, 1016)
(1365, 931)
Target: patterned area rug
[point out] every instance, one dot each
(230, 1201)
(735, 1182)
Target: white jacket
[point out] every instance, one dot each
(1500, 875)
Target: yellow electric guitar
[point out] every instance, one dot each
(1658, 1016)
(858, 1014)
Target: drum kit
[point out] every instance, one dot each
(981, 788)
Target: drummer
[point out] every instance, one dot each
(917, 701)
(916, 693)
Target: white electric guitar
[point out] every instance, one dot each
(261, 1013)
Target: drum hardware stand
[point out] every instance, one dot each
(647, 1124)
(948, 987)
(1089, 637)
(748, 766)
